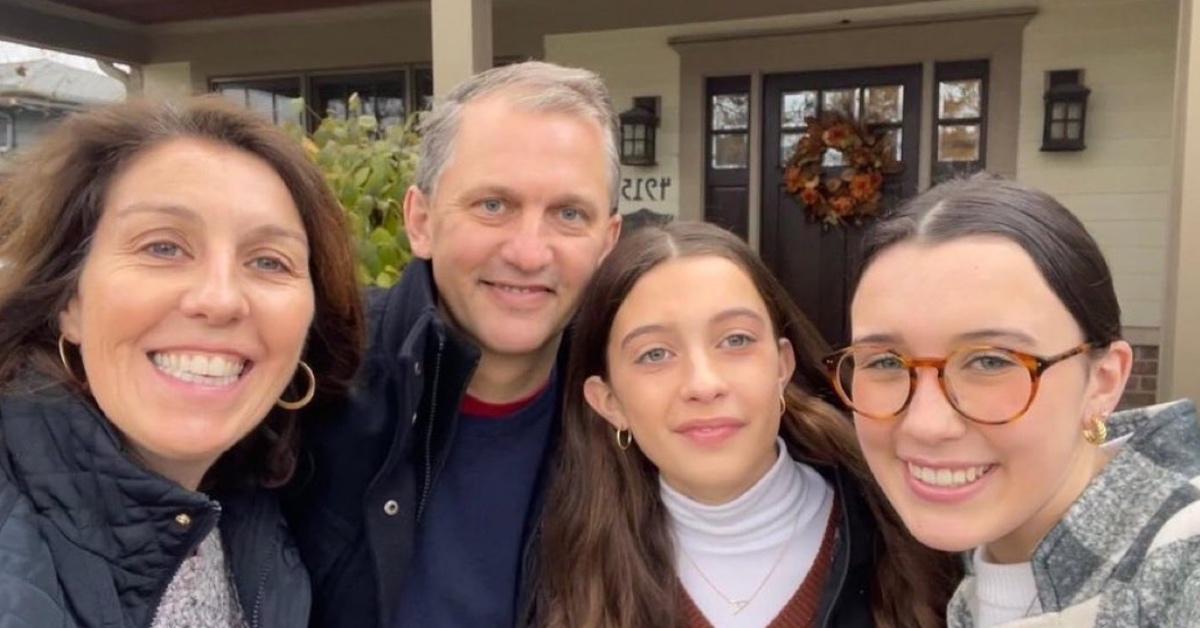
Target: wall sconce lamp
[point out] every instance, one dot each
(638, 127)
(1066, 111)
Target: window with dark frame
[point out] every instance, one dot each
(276, 98)
(729, 131)
(960, 119)
(389, 95)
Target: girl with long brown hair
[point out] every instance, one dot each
(707, 475)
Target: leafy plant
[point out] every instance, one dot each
(369, 169)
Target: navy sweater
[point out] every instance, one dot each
(467, 559)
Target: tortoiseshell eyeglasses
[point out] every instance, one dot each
(985, 384)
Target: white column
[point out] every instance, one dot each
(1180, 359)
(462, 40)
(168, 81)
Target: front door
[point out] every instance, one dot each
(814, 262)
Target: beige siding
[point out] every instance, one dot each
(1120, 185)
(634, 63)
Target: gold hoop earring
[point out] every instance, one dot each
(308, 396)
(62, 354)
(782, 404)
(1097, 434)
(624, 439)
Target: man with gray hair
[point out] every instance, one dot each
(421, 503)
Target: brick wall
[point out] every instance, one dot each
(1143, 381)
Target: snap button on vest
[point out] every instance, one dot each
(390, 507)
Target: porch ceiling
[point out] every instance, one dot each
(585, 15)
(159, 11)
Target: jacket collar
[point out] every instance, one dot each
(1108, 530)
(68, 459)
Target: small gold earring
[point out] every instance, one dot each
(624, 439)
(782, 403)
(1097, 434)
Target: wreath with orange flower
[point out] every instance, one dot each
(840, 194)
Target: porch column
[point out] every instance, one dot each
(462, 40)
(1180, 359)
(168, 81)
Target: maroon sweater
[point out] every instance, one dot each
(801, 609)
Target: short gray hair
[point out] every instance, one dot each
(531, 85)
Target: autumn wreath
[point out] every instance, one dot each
(846, 193)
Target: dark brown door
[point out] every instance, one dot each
(814, 262)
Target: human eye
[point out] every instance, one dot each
(270, 264)
(989, 361)
(738, 341)
(653, 356)
(163, 249)
(880, 362)
(572, 215)
(492, 206)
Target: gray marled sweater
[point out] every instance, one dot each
(1128, 551)
(201, 595)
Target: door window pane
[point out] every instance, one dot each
(960, 99)
(843, 101)
(896, 138)
(730, 150)
(958, 142)
(797, 107)
(787, 146)
(730, 112)
(883, 104)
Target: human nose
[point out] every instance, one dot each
(930, 417)
(528, 248)
(216, 292)
(704, 382)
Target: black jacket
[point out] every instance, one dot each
(89, 538)
(371, 460)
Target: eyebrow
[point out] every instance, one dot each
(725, 315)
(191, 215)
(1014, 335)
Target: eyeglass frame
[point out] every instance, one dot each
(1037, 365)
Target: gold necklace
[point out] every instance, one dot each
(740, 605)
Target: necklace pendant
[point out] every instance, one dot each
(740, 605)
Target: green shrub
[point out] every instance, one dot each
(369, 169)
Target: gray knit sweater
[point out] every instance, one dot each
(201, 595)
(1128, 551)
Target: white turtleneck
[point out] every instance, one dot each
(735, 544)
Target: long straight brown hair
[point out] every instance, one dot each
(607, 558)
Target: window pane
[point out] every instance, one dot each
(833, 158)
(798, 106)
(1057, 130)
(960, 99)
(958, 142)
(273, 98)
(884, 104)
(1074, 130)
(1058, 111)
(730, 150)
(1075, 111)
(787, 146)
(424, 80)
(896, 137)
(731, 112)
(381, 94)
(5, 129)
(843, 101)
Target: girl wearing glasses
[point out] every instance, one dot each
(705, 477)
(985, 366)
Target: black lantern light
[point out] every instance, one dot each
(638, 126)
(1066, 111)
